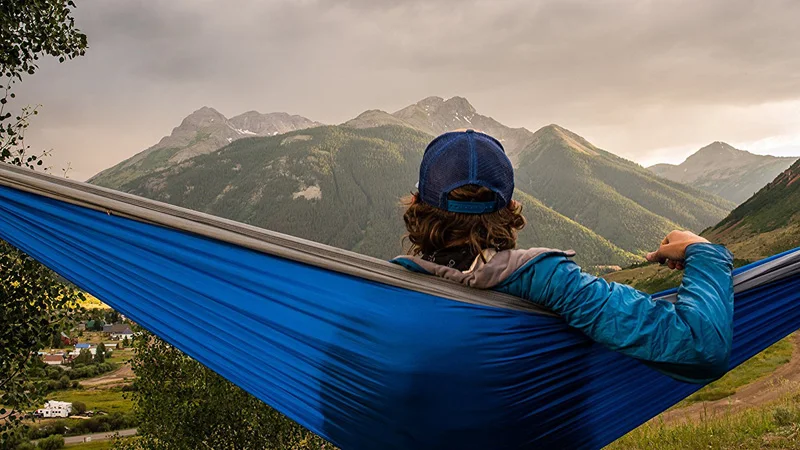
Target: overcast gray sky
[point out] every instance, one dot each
(651, 81)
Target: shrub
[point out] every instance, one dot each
(25, 446)
(53, 373)
(54, 442)
(78, 407)
(63, 382)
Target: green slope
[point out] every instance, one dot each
(340, 186)
(614, 197)
(767, 223)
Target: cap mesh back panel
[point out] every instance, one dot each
(449, 167)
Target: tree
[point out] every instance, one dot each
(112, 316)
(78, 407)
(34, 303)
(100, 354)
(53, 442)
(180, 404)
(83, 358)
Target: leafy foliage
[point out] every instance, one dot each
(100, 354)
(53, 442)
(180, 404)
(35, 304)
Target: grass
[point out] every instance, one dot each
(774, 426)
(751, 370)
(99, 445)
(120, 356)
(106, 400)
(654, 278)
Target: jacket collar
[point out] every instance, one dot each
(496, 268)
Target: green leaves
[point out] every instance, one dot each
(34, 303)
(180, 404)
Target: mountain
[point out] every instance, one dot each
(203, 131)
(767, 223)
(337, 185)
(726, 171)
(340, 185)
(616, 198)
(435, 115)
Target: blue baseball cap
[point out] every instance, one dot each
(461, 158)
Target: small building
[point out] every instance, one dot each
(53, 360)
(118, 331)
(55, 409)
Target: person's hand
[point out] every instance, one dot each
(672, 250)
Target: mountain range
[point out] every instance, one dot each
(726, 171)
(766, 224)
(340, 184)
(203, 131)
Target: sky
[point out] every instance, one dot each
(652, 81)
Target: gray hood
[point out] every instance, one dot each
(486, 275)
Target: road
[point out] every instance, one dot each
(99, 436)
(117, 376)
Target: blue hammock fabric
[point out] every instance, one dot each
(363, 364)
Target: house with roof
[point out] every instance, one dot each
(118, 331)
(53, 360)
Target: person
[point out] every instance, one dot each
(462, 225)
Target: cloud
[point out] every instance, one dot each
(635, 77)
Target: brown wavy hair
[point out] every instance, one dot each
(430, 228)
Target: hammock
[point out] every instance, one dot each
(357, 350)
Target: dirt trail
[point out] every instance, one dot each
(784, 380)
(117, 376)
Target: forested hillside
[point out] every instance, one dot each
(339, 186)
(612, 196)
(767, 223)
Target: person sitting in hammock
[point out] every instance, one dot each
(462, 225)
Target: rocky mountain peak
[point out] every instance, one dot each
(203, 117)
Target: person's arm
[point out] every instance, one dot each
(688, 340)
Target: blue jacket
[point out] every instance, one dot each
(689, 339)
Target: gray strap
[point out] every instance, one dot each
(777, 269)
